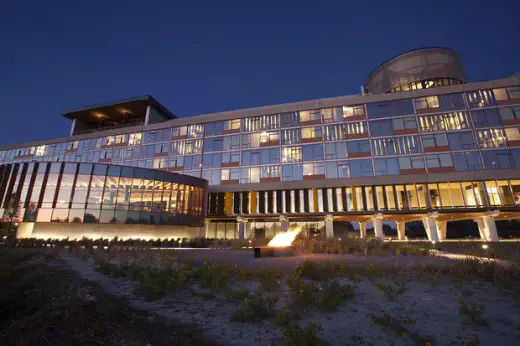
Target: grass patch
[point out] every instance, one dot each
(473, 312)
(392, 325)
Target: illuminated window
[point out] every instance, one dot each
(270, 171)
(504, 94)
(135, 138)
(230, 174)
(249, 175)
(491, 138)
(332, 115)
(195, 131)
(426, 102)
(343, 131)
(396, 146)
(480, 98)
(291, 154)
(291, 136)
(314, 115)
(311, 132)
(441, 122)
(512, 134)
(251, 140)
(317, 168)
(233, 124)
(353, 111)
(179, 131)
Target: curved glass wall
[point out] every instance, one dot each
(97, 193)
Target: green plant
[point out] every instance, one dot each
(216, 275)
(386, 322)
(332, 295)
(236, 295)
(269, 278)
(255, 308)
(474, 312)
(295, 335)
(284, 317)
(392, 291)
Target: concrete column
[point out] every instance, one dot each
(72, 127)
(284, 223)
(431, 227)
(241, 225)
(329, 226)
(487, 226)
(442, 227)
(401, 226)
(377, 221)
(362, 229)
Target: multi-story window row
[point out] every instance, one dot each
(461, 131)
(387, 198)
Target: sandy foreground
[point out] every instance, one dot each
(431, 310)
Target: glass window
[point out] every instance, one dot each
(434, 140)
(270, 137)
(230, 174)
(313, 115)
(270, 172)
(480, 98)
(269, 156)
(213, 144)
(438, 160)
(311, 132)
(332, 115)
(251, 140)
(231, 157)
(509, 113)
(316, 168)
(231, 142)
(512, 134)
(486, 117)
(291, 136)
(233, 124)
(361, 168)
(381, 128)
(195, 131)
(462, 140)
(362, 146)
(292, 172)
(390, 109)
(504, 94)
(179, 131)
(491, 138)
(343, 131)
(249, 175)
(442, 122)
(250, 157)
(312, 152)
(497, 159)
(468, 161)
(411, 162)
(290, 119)
(396, 146)
(388, 166)
(451, 102)
(353, 111)
(212, 176)
(214, 129)
(291, 154)
(337, 150)
(426, 102)
(408, 123)
(211, 160)
(264, 122)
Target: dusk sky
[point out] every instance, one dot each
(202, 57)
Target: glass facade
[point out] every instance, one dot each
(470, 131)
(98, 193)
(399, 198)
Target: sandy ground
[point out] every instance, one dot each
(430, 310)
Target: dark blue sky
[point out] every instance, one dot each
(205, 57)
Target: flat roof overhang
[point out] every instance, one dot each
(120, 112)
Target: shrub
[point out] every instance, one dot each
(474, 312)
(392, 291)
(236, 295)
(269, 278)
(255, 308)
(284, 317)
(215, 274)
(295, 335)
(333, 295)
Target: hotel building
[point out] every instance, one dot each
(418, 143)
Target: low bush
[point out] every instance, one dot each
(255, 308)
(295, 335)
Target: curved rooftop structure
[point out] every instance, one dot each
(417, 69)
